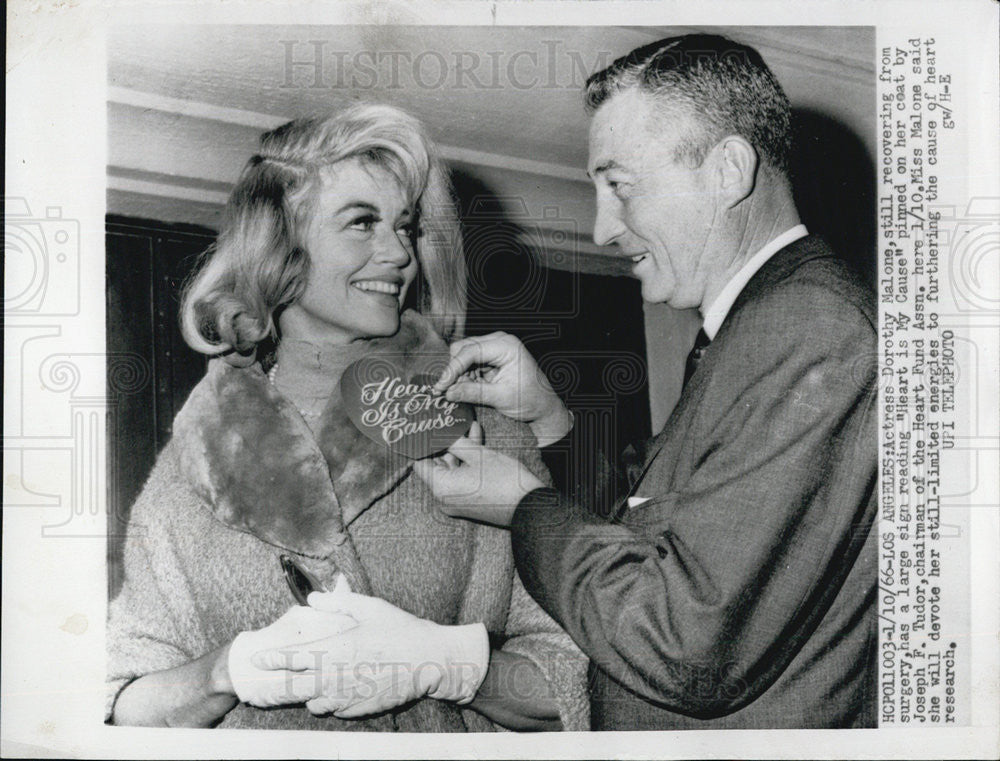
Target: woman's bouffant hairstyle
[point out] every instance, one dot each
(258, 263)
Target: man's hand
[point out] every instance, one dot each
(475, 482)
(496, 370)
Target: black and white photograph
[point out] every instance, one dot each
(427, 372)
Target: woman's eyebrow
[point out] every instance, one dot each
(363, 205)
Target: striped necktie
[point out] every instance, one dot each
(700, 344)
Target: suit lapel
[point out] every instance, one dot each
(777, 268)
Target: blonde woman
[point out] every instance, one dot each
(339, 242)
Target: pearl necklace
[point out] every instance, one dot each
(304, 413)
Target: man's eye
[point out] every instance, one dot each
(618, 187)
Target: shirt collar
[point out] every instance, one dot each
(716, 312)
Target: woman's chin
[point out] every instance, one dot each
(380, 328)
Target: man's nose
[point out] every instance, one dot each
(608, 225)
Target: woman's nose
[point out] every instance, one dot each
(393, 248)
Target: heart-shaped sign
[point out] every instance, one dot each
(400, 410)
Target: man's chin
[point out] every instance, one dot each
(653, 293)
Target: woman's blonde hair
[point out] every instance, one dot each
(258, 263)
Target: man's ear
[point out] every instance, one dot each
(737, 167)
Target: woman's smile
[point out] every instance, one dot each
(359, 241)
(377, 286)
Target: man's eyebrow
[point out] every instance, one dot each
(604, 166)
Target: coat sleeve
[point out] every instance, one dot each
(530, 631)
(701, 597)
(152, 622)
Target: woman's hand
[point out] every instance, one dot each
(472, 481)
(387, 658)
(301, 626)
(195, 694)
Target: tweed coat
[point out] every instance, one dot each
(742, 593)
(244, 480)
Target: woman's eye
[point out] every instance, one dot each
(365, 223)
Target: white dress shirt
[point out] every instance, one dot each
(716, 312)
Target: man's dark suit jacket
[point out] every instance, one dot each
(743, 593)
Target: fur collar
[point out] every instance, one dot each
(247, 452)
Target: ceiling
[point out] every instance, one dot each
(186, 104)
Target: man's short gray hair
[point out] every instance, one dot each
(723, 85)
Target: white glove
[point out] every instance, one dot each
(390, 658)
(293, 632)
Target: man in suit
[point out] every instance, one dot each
(734, 585)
